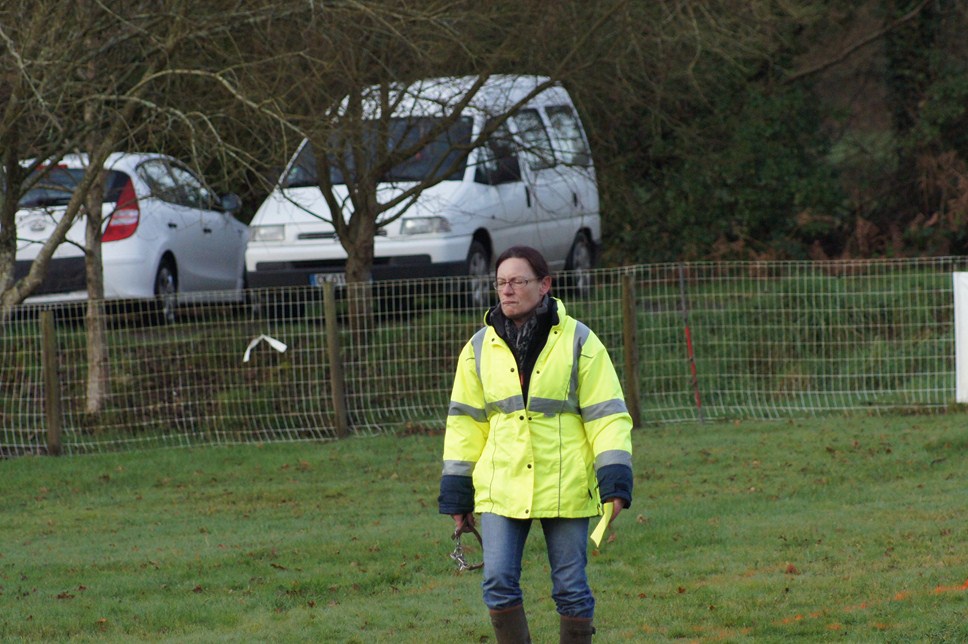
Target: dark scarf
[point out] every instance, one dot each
(526, 341)
(519, 337)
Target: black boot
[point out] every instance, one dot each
(576, 630)
(511, 625)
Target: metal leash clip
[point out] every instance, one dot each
(458, 554)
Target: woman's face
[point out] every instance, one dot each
(518, 303)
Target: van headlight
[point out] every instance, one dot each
(423, 225)
(268, 233)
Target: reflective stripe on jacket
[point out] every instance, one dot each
(539, 459)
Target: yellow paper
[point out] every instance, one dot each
(600, 528)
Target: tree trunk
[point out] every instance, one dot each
(909, 50)
(98, 383)
(360, 233)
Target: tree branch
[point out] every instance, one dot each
(827, 64)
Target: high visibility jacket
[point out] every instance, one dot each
(553, 455)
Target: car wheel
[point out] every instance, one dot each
(581, 260)
(166, 292)
(479, 270)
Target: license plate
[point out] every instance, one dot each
(318, 279)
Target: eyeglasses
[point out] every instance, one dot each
(514, 282)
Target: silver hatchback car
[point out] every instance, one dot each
(165, 233)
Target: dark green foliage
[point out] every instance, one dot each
(838, 130)
(762, 186)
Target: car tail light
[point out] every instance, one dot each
(124, 220)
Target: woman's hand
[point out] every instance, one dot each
(464, 521)
(617, 506)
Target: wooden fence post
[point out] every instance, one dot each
(337, 382)
(52, 395)
(630, 340)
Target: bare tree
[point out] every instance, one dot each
(355, 64)
(94, 78)
(37, 49)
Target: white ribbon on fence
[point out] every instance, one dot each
(275, 344)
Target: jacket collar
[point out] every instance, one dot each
(550, 313)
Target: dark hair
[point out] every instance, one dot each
(531, 255)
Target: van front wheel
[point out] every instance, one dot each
(479, 271)
(581, 260)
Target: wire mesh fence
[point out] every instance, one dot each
(693, 341)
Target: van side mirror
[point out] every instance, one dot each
(508, 170)
(504, 169)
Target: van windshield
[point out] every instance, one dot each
(428, 164)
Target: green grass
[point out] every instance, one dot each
(845, 528)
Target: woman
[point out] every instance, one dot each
(537, 430)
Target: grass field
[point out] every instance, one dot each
(847, 529)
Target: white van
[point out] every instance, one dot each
(533, 183)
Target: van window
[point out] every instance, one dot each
(571, 146)
(534, 136)
(498, 159)
(436, 157)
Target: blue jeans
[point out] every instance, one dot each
(567, 553)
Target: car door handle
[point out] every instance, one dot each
(207, 231)
(527, 196)
(172, 224)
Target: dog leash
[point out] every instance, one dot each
(458, 554)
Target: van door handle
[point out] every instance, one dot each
(527, 196)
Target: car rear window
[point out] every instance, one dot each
(56, 185)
